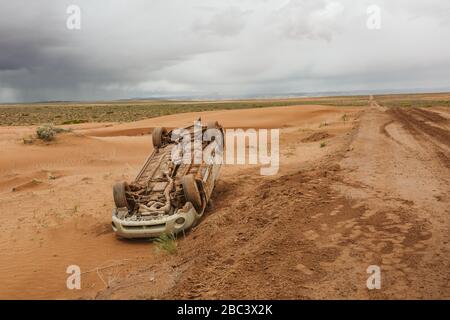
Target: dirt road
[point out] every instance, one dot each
(356, 187)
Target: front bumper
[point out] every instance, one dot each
(156, 227)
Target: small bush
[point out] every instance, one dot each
(167, 242)
(323, 144)
(46, 132)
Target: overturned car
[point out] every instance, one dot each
(173, 187)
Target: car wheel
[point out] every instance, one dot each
(157, 136)
(120, 198)
(191, 192)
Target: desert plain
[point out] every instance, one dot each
(362, 181)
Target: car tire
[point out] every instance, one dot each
(157, 136)
(120, 198)
(191, 192)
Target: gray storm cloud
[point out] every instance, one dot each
(140, 48)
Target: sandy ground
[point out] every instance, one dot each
(377, 193)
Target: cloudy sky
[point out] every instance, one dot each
(219, 48)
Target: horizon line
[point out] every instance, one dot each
(242, 97)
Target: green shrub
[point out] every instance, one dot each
(46, 132)
(167, 242)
